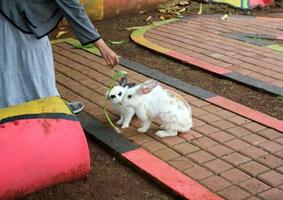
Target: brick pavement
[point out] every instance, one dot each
(221, 46)
(229, 154)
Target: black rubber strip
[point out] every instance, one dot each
(258, 84)
(174, 82)
(41, 116)
(105, 135)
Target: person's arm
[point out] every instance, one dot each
(109, 56)
(84, 30)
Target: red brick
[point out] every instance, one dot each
(219, 150)
(254, 127)
(222, 124)
(253, 139)
(211, 108)
(254, 152)
(215, 183)
(272, 194)
(204, 142)
(280, 169)
(167, 154)
(225, 114)
(198, 173)
(238, 120)
(185, 148)
(140, 138)
(191, 135)
(279, 140)
(221, 136)
(154, 146)
(237, 144)
(199, 103)
(272, 178)
(235, 176)
(206, 129)
(253, 168)
(270, 161)
(279, 154)
(234, 193)
(271, 146)
(218, 166)
(239, 131)
(170, 141)
(198, 111)
(253, 198)
(197, 122)
(209, 118)
(129, 132)
(181, 163)
(190, 98)
(236, 158)
(200, 157)
(254, 186)
(270, 134)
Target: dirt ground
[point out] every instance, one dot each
(110, 179)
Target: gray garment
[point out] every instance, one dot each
(39, 17)
(26, 66)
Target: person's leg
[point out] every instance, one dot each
(26, 67)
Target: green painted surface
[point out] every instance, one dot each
(277, 47)
(76, 44)
(142, 30)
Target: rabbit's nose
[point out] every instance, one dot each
(112, 96)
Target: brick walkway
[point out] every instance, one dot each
(232, 156)
(224, 46)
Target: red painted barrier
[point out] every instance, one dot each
(38, 153)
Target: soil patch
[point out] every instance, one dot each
(109, 179)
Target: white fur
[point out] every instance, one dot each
(150, 101)
(126, 113)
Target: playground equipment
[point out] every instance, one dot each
(41, 144)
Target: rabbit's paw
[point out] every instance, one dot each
(125, 126)
(119, 122)
(142, 130)
(166, 133)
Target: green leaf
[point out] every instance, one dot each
(116, 42)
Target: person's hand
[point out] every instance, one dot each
(109, 56)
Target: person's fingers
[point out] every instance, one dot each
(116, 60)
(111, 63)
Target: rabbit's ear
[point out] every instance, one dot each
(123, 81)
(148, 86)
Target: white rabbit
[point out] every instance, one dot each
(151, 101)
(115, 95)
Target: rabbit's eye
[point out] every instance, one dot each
(129, 96)
(120, 93)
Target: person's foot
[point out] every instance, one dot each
(76, 107)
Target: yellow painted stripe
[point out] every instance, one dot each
(149, 44)
(94, 9)
(41, 106)
(236, 3)
(138, 36)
